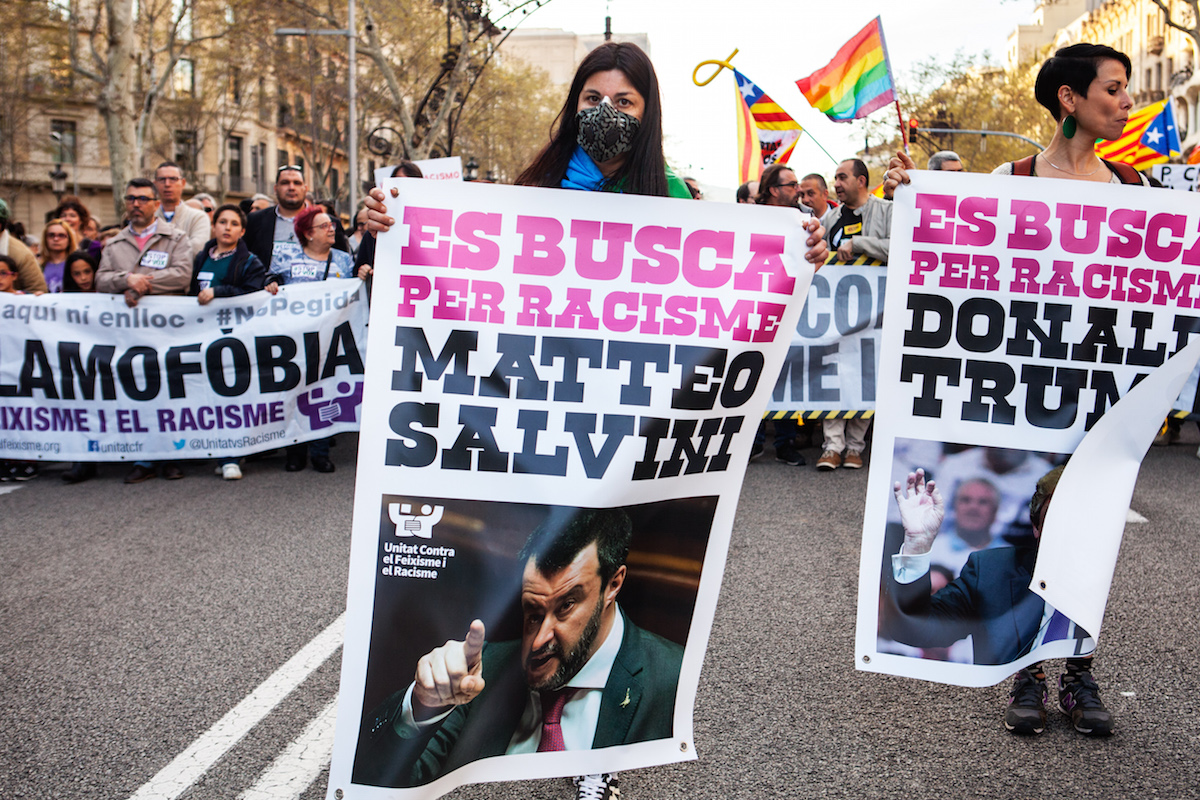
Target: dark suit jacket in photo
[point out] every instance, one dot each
(989, 601)
(638, 705)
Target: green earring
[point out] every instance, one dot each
(1069, 126)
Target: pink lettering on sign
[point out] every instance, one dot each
(424, 226)
(614, 235)
(540, 251)
(413, 288)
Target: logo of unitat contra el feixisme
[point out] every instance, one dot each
(322, 412)
(420, 524)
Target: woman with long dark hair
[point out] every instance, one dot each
(607, 137)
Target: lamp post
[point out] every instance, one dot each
(351, 89)
(471, 170)
(58, 139)
(58, 183)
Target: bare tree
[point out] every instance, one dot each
(130, 51)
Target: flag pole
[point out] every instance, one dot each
(887, 59)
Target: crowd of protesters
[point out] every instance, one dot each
(166, 245)
(609, 139)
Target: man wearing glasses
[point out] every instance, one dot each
(195, 224)
(271, 232)
(149, 256)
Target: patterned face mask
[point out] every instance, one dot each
(605, 132)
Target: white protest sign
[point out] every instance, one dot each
(432, 169)
(1019, 313)
(555, 370)
(83, 377)
(1178, 176)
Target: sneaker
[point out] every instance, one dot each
(756, 451)
(789, 455)
(231, 472)
(597, 787)
(853, 460)
(1079, 698)
(23, 472)
(1026, 712)
(829, 460)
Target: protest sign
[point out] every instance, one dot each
(550, 363)
(1020, 313)
(449, 168)
(831, 365)
(83, 377)
(1178, 176)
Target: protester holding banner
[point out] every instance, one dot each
(149, 256)
(1085, 88)
(608, 139)
(225, 267)
(317, 260)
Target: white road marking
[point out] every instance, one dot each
(10, 488)
(1133, 516)
(294, 770)
(175, 778)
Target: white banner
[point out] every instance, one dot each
(1021, 313)
(83, 377)
(561, 400)
(832, 362)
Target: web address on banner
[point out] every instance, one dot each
(24, 446)
(241, 441)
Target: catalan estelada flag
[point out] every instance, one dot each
(1149, 138)
(857, 82)
(766, 134)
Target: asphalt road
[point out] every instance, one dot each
(135, 617)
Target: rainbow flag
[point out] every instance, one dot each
(857, 82)
(1149, 138)
(766, 134)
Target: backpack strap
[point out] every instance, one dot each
(1023, 167)
(1126, 172)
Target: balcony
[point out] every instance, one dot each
(1155, 44)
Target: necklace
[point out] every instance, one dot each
(1080, 174)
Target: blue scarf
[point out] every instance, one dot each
(582, 173)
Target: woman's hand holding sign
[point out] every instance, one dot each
(921, 512)
(449, 675)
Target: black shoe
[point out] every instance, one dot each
(172, 472)
(79, 472)
(789, 455)
(322, 464)
(756, 451)
(1079, 698)
(296, 463)
(139, 474)
(23, 472)
(1026, 712)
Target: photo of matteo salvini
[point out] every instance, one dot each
(582, 675)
